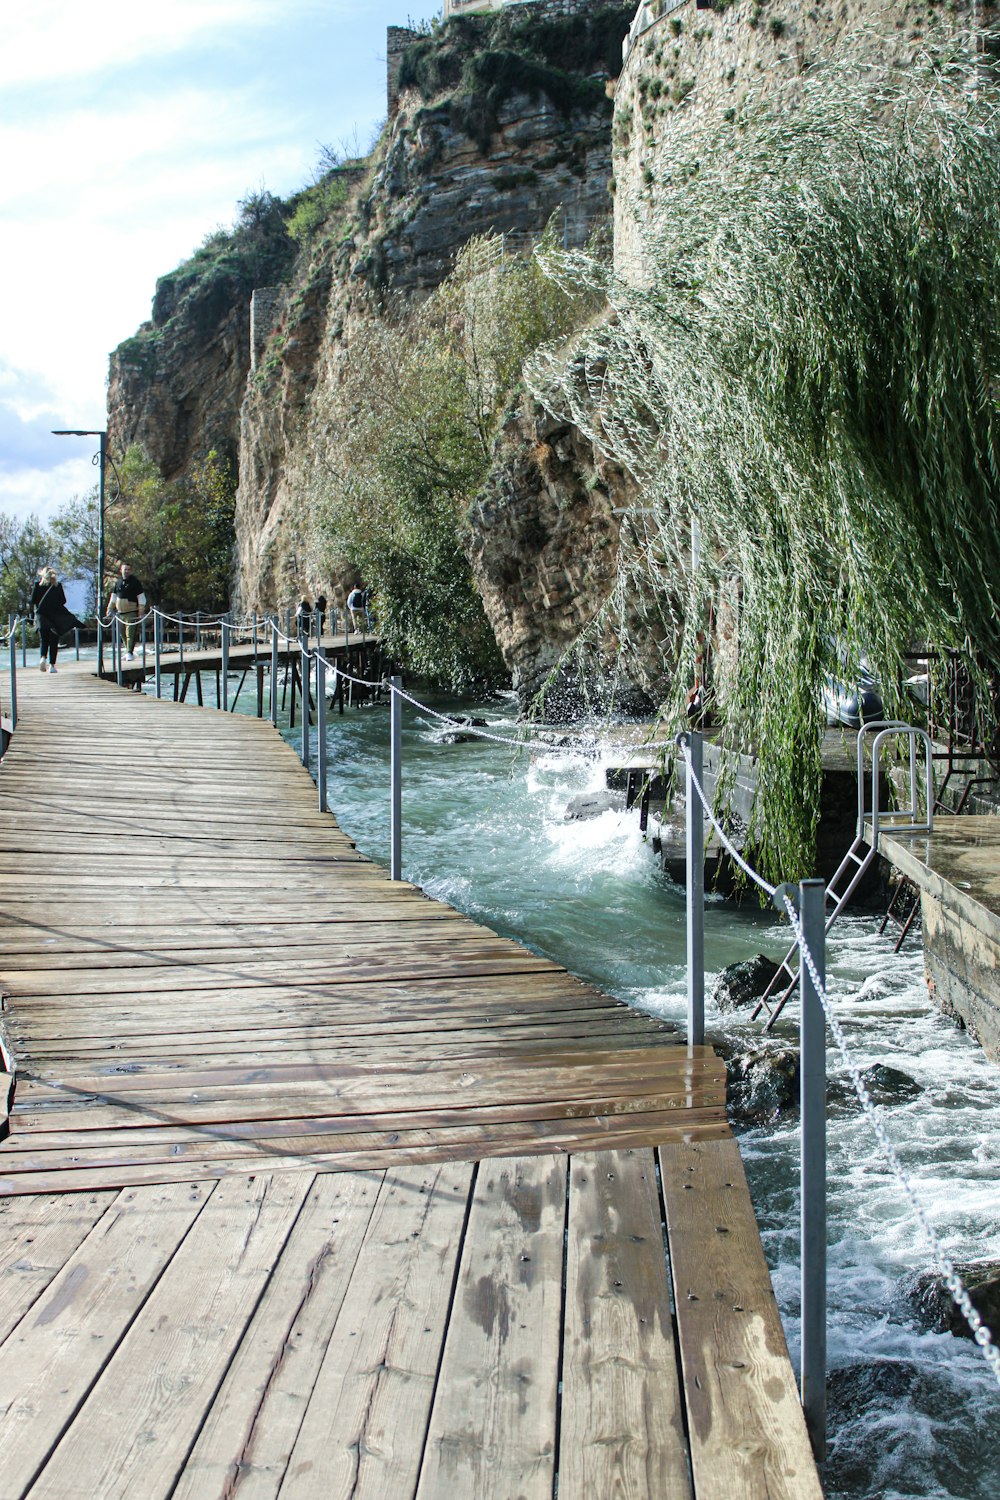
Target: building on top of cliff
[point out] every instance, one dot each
(469, 7)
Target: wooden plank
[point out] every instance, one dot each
(132, 1434)
(492, 1432)
(362, 1436)
(382, 1152)
(37, 1238)
(248, 1435)
(49, 1362)
(622, 1413)
(747, 1432)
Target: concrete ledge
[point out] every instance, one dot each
(957, 871)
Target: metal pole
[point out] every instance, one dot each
(99, 591)
(24, 642)
(13, 679)
(812, 1084)
(274, 673)
(225, 666)
(118, 649)
(305, 670)
(695, 893)
(321, 750)
(157, 647)
(197, 630)
(76, 640)
(180, 638)
(396, 778)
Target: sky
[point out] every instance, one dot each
(128, 132)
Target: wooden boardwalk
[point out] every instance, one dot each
(316, 1188)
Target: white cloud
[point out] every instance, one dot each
(53, 40)
(41, 492)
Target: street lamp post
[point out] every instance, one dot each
(102, 460)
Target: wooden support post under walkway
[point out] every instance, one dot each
(316, 1187)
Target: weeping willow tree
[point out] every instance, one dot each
(806, 389)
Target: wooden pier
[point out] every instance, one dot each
(316, 1188)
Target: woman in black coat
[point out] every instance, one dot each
(48, 601)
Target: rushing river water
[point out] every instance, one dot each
(912, 1413)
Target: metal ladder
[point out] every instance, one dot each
(858, 858)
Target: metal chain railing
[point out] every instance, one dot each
(871, 1111)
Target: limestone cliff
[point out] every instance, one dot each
(503, 120)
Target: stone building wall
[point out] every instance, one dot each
(397, 39)
(682, 61)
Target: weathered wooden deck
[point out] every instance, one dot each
(316, 1188)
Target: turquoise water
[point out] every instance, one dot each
(912, 1414)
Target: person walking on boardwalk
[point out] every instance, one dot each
(49, 602)
(356, 605)
(303, 619)
(320, 607)
(126, 598)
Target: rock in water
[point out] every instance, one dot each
(592, 805)
(742, 984)
(936, 1306)
(762, 1082)
(890, 1085)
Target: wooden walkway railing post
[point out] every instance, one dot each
(695, 893)
(396, 782)
(812, 1086)
(116, 648)
(157, 650)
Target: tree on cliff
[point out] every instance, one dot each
(409, 442)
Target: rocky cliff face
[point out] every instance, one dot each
(544, 541)
(175, 388)
(499, 161)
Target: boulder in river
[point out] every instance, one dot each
(890, 1085)
(592, 805)
(742, 984)
(762, 1081)
(937, 1309)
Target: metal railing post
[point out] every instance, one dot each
(24, 642)
(695, 768)
(157, 649)
(197, 630)
(225, 666)
(13, 679)
(321, 749)
(76, 642)
(117, 650)
(274, 673)
(396, 782)
(812, 1085)
(180, 638)
(100, 647)
(305, 673)
(144, 619)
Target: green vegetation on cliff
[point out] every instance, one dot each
(479, 62)
(413, 431)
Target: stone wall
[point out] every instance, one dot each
(397, 39)
(686, 62)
